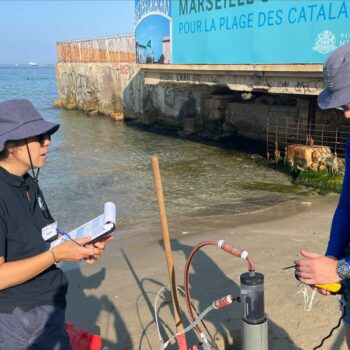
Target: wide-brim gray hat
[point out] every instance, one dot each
(19, 120)
(336, 77)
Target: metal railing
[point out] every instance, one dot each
(282, 132)
(118, 49)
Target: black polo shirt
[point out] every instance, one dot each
(21, 221)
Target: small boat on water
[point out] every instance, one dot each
(32, 64)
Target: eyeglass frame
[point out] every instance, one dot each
(344, 107)
(41, 138)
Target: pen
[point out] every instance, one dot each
(289, 267)
(63, 233)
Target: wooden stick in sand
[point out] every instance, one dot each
(181, 339)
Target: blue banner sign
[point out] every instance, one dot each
(257, 31)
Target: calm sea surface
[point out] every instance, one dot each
(94, 159)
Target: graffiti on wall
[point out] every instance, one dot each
(312, 86)
(80, 86)
(173, 95)
(93, 87)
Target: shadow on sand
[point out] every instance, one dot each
(84, 310)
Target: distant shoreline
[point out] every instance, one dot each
(26, 65)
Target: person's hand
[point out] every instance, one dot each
(98, 249)
(322, 291)
(316, 269)
(70, 251)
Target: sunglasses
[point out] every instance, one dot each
(42, 138)
(344, 108)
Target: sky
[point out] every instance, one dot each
(29, 29)
(152, 30)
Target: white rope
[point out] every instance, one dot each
(192, 325)
(308, 299)
(163, 346)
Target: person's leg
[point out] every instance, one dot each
(13, 334)
(347, 334)
(50, 333)
(345, 302)
(40, 328)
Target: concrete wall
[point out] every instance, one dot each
(94, 87)
(209, 112)
(251, 118)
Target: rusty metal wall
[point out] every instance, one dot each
(282, 132)
(118, 49)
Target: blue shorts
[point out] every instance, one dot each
(40, 328)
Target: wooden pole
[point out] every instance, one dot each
(168, 253)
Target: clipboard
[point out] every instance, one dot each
(97, 228)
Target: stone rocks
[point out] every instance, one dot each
(248, 118)
(66, 104)
(317, 158)
(71, 106)
(59, 103)
(193, 124)
(117, 116)
(215, 106)
(93, 112)
(148, 118)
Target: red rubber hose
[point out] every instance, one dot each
(224, 246)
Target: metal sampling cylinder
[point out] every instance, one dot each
(252, 298)
(254, 321)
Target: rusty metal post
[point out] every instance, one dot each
(267, 139)
(96, 51)
(79, 48)
(336, 142)
(277, 152)
(107, 49)
(298, 125)
(58, 51)
(117, 41)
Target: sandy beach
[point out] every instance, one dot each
(116, 295)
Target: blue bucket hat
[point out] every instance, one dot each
(336, 77)
(20, 120)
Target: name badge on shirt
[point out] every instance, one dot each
(50, 231)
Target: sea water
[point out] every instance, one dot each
(95, 159)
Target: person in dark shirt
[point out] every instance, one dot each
(334, 266)
(32, 288)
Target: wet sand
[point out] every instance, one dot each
(116, 295)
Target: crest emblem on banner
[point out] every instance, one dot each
(325, 42)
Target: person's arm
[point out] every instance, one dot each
(318, 269)
(17, 272)
(340, 230)
(339, 238)
(20, 271)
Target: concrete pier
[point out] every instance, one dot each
(210, 101)
(300, 79)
